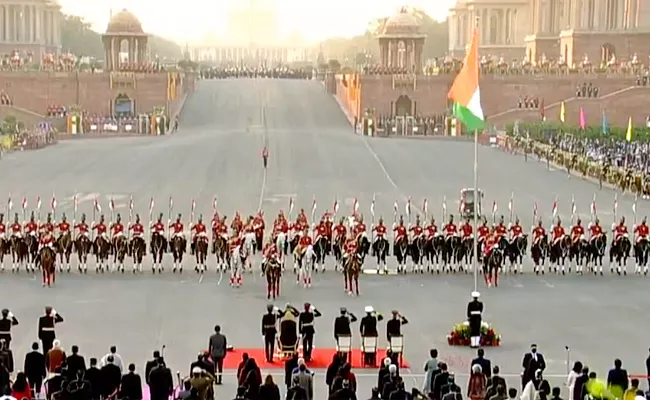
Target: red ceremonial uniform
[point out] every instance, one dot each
(360, 228)
(450, 229)
(82, 227)
(16, 228)
(3, 228)
(222, 229)
(417, 230)
(576, 232)
(31, 227)
(117, 228)
(47, 227)
(63, 227)
(380, 230)
(620, 231)
(595, 230)
(490, 242)
(558, 232)
(321, 230)
(158, 227)
(258, 223)
(199, 228)
(328, 227)
(500, 230)
(138, 229)
(466, 230)
(483, 232)
(177, 227)
(351, 246)
(431, 231)
(516, 230)
(538, 233)
(642, 231)
(47, 239)
(340, 230)
(302, 219)
(234, 243)
(100, 227)
(399, 230)
(237, 224)
(305, 241)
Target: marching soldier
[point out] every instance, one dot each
(46, 331)
(368, 328)
(269, 330)
(306, 329)
(474, 312)
(6, 323)
(342, 324)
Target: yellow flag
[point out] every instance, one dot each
(628, 134)
(562, 112)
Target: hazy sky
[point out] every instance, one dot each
(193, 20)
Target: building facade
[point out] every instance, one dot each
(30, 27)
(569, 31)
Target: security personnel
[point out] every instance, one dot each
(474, 313)
(8, 320)
(46, 332)
(269, 331)
(306, 329)
(368, 328)
(342, 324)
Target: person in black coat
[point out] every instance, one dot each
(269, 390)
(94, 376)
(131, 385)
(75, 363)
(296, 392)
(34, 368)
(441, 380)
(151, 365)
(579, 388)
(78, 388)
(617, 376)
(289, 366)
(532, 362)
(333, 370)
(111, 377)
(486, 365)
(344, 393)
(161, 381)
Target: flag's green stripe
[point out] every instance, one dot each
(470, 120)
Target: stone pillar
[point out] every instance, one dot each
(600, 15)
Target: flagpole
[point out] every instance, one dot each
(476, 202)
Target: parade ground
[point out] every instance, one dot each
(313, 155)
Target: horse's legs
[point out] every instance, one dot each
(44, 277)
(345, 280)
(277, 284)
(496, 276)
(308, 277)
(356, 283)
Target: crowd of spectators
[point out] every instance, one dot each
(425, 125)
(384, 70)
(5, 99)
(141, 67)
(588, 90)
(261, 72)
(529, 102)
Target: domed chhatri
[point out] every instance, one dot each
(402, 23)
(124, 22)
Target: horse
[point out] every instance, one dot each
(200, 252)
(559, 252)
(491, 265)
(450, 252)
(293, 244)
(363, 245)
(416, 251)
(641, 249)
(579, 251)
(337, 249)
(304, 259)
(433, 252)
(120, 251)
(380, 249)
(320, 251)
(48, 258)
(259, 239)
(400, 251)
(64, 247)
(597, 248)
(220, 250)
(82, 246)
(158, 248)
(138, 251)
(273, 271)
(351, 270)
(101, 248)
(466, 252)
(281, 247)
(5, 248)
(178, 248)
(538, 252)
(620, 251)
(515, 253)
(32, 252)
(19, 253)
(247, 251)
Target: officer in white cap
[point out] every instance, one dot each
(368, 328)
(474, 314)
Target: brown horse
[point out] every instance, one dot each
(19, 254)
(351, 270)
(101, 248)
(82, 247)
(120, 252)
(178, 248)
(491, 265)
(220, 250)
(48, 258)
(64, 248)
(201, 253)
(273, 271)
(5, 248)
(138, 250)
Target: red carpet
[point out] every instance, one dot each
(321, 358)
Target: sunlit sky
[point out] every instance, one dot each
(195, 20)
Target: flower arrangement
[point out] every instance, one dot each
(460, 335)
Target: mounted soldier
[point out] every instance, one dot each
(579, 246)
(560, 244)
(641, 246)
(158, 244)
(64, 242)
(621, 246)
(362, 237)
(452, 244)
(416, 245)
(82, 243)
(400, 244)
(101, 245)
(517, 244)
(339, 235)
(137, 246)
(200, 244)
(380, 246)
(178, 244)
(539, 246)
(320, 244)
(597, 245)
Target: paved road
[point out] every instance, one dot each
(312, 155)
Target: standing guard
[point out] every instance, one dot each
(369, 335)
(395, 337)
(474, 313)
(46, 331)
(6, 323)
(269, 331)
(306, 321)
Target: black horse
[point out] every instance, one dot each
(380, 249)
(450, 252)
(320, 251)
(641, 249)
(158, 248)
(417, 253)
(579, 252)
(515, 253)
(433, 252)
(337, 248)
(492, 264)
(539, 252)
(597, 248)
(364, 246)
(559, 252)
(466, 253)
(620, 251)
(400, 251)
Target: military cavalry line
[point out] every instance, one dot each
(30, 242)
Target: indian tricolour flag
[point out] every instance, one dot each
(465, 92)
